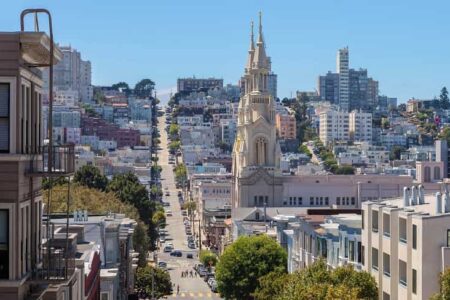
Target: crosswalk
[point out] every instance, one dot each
(197, 295)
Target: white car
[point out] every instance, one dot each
(162, 265)
(168, 213)
(168, 248)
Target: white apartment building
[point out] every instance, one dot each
(343, 70)
(360, 126)
(334, 126)
(406, 243)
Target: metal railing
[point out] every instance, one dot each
(53, 161)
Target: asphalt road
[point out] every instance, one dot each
(190, 287)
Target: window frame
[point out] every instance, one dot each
(8, 118)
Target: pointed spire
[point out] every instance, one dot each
(260, 37)
(251, 51)
(260, 58)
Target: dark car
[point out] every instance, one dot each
(189, 255)
(176, 253)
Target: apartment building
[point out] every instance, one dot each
(193, 84)
(360, 126)
(286, 126)
(406, 242)
(335, 237)
(334, 126)
(342, 66)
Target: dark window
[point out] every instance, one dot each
(338, 200)
(256, 200)
(374, 258)
(4, 244)
(353, 201)
(266, 199)
(261, 200)
(448, 237)
(257, 216)
(362, 254)
(414, 237)
(311, 200)
(300, 201)
(414, 281)
(4, 117)
(326, 201)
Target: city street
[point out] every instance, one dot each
(190, 287)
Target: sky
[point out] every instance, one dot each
(404, 44)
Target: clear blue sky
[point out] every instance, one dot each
(403, 43)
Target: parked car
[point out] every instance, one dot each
(179, 194)
(167, 193)
(165, 203)
(162, 239)
(168, 213)
(176, 253)
(191, 244)
(166, 188)
(184, 213)
(168, 248)
(211, 280)
(186, 222)
(162, 265)
(214, 287)
(189, 255)
(202, 272)
(198, 266)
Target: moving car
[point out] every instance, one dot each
(176, 253)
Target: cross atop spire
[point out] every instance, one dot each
(252, 38)
(260, 59)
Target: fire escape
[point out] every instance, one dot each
(55, 261)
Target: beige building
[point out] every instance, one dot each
(360, 126)
(406, 243)
(333, 126)
(286, 126)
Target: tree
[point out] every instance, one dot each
(402, 107)
(91, 177)
(318, 282)
(144, 88)
(271, 285)
(141, 243)
(443, 99)
(51, 182)
(396, 152)
(208, 258)
(159, 218)
(149, 277)
(190, 206)
(174, 146)
(180, 173)
(244, 262)
(173, 129)
(122, 86)
(445, 134)
(345, 170)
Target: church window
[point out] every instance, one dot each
(261, 151)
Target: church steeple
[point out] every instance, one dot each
(260, 58)
(251, 51)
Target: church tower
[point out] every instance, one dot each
(256, 152)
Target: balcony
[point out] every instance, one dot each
(63, 162)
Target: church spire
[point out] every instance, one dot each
(260, 58)
(251, 51)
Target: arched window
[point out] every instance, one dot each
(261, 151)
(427, 177)
(437, 173)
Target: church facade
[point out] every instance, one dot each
(257, 178)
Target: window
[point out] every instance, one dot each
(300, 201)
(386, 296)
(266, 199)
(4, 117)
(326, 201)
(402, 229)
(374, 221)
(361, 253)
(374, 258)
(104, 296)
(311, 200)
(295, 201)
(338, 200)
(257, 216)
(414, 237)
(414, 281)
(346, 247)
(4, 244)
(353, 201)
(261, 200)
(351, 250)
(362, 219)
(256, 200)
(402, 273)
(448, 237)
(321, 200)
(290, 201)
(386, 225)
(387, 264)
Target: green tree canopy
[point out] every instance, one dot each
(121, 86)
(144, 88)
(319, 283)
(148, 277)
(244, 262)
(159, 218)
(208, 258)
(91, 177)
(395, 152)
(141, 243)
(173, 129)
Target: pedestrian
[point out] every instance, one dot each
(178, 289)
(191, 274)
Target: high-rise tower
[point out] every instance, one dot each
(256, 153)
(343, 70)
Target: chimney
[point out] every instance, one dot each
(421, 195)
(413, 199)
(438, 203)
(446, 206)
(406, 196)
